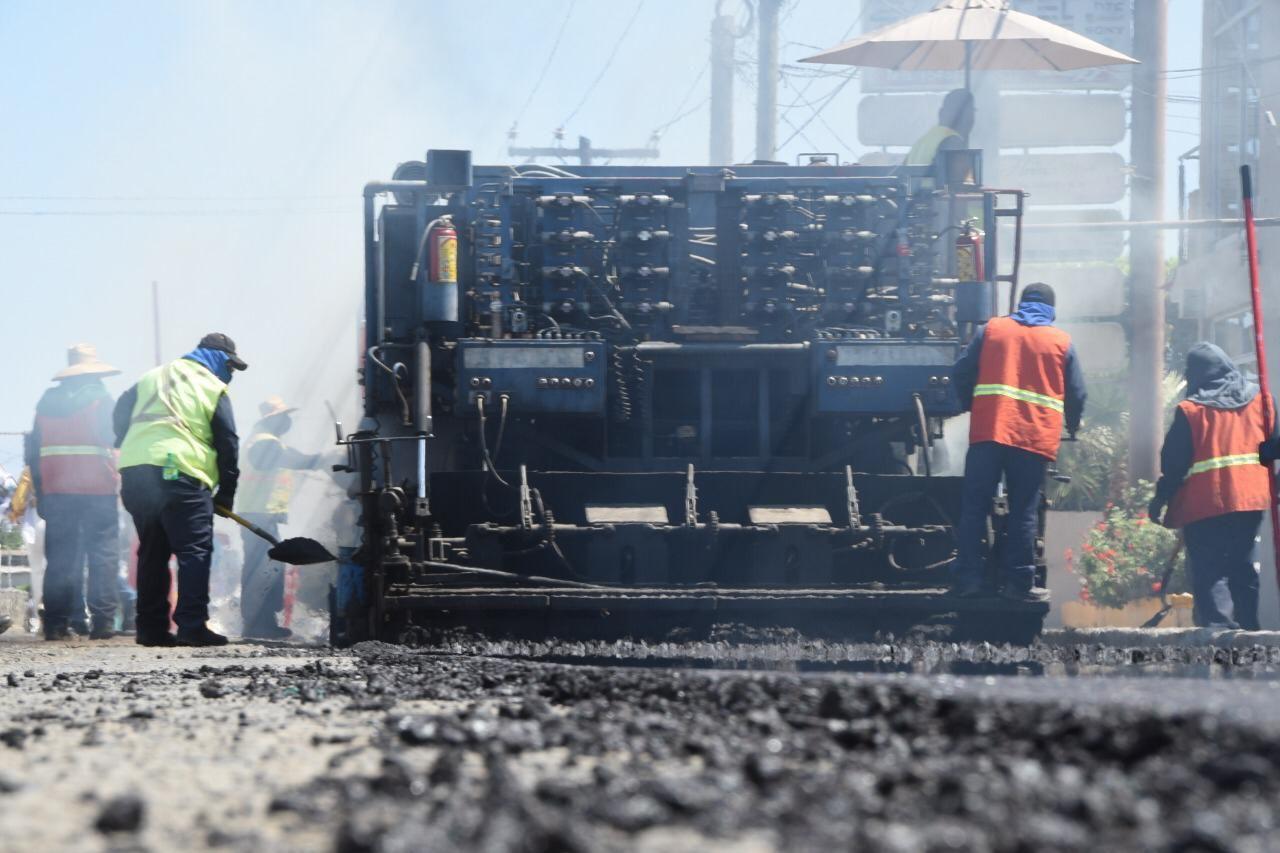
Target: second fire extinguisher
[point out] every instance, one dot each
(969, 255)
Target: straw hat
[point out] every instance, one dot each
(273, 405)
(82, 360)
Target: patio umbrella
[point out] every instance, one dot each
(973, 34)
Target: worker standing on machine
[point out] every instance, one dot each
(178, 444)
(1022, 382)
(951, 133)
(73, 472)
(1213, 486)
(265, 490)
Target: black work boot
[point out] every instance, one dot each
(1025, 594)
(57, 632)
(201, 636)
(102, 631)
(156, 638)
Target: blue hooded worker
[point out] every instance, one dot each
(1214, 487)
(1022, 382)
(179, 458)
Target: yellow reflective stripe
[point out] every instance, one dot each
(1018, 394)
(73, 450)
(1224, 462)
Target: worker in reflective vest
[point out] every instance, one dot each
(73, 468)
(955, 122)
(1022, 382)
(178, 445)
(1214, 487)
(266, 487)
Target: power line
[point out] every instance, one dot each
(817, 113)
(608, 62)
(665, 127)
(542, 75)
(679, 112)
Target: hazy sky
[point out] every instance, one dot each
(219, 148)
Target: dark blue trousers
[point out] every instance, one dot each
(80, 529)
(1023, 473)
(1225, 548)
(173, 518)
(262, 579)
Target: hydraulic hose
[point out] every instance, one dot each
(922, 423)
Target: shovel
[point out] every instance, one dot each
(1165, 606)
(298, 551)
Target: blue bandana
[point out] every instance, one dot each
(215, 360)
(1034, 314)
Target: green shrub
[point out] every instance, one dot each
(1125, 553)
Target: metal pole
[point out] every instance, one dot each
(155, 319)
(767, 81)
(1260, 348)
(1146, 248)
(722, 66)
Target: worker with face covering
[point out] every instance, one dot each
(1022, 382)
(179, 458)
(265, 490)
(1213, 485)
(955, 123)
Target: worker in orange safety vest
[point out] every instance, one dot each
(1022, 382)
(1214, 487)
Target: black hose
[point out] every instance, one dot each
(922, 423)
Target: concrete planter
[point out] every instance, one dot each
(1082, 614)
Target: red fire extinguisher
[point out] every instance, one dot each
(443, 260)
(969, 254)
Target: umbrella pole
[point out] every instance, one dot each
(968, 61)
(1251, 239)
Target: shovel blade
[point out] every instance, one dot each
(301, 551)
(1160, 614)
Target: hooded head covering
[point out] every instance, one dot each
(1214, 380)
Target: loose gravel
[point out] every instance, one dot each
(106, 746)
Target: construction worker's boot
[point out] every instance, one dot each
(201, 636)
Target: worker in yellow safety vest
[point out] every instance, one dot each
(955, 122)
(178, 444)
(266, 487)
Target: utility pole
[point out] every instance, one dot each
(585, 153)
(723, 35)
(155, 318)
(767, 81)
(1146, 247)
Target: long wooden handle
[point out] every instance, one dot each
(246, 524)
(1260, 348)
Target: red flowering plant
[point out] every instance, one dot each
(1125, 554)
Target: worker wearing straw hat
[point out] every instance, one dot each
(266, 487)
(73, 467)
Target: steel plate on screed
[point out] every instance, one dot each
(494, 358)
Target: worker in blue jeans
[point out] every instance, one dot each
(1022, 381)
